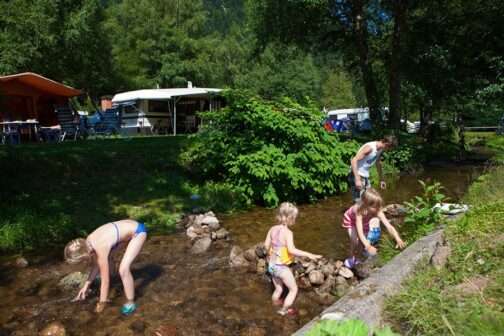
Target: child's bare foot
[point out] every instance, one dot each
(288, 311)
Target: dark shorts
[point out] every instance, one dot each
(356, 193)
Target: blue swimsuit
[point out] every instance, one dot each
(141, 228)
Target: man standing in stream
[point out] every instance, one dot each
(368, 155)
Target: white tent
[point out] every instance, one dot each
(144, 115)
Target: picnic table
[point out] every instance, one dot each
(29, 127)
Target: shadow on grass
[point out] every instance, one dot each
(81, 185)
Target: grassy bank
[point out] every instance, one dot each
(52, 192)
(466, 297)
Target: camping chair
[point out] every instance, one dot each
(68, 121)
(110, 122)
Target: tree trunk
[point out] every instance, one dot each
(360, 34)
(400, 11)
(425, 119)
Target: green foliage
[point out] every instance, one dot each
(432, 304)
(84, 184)
(272, 151)
(63, 40)
(29, 230)
(422, 217)
(346, 328)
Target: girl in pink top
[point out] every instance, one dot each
(362, 221)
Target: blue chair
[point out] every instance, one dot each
(110, 122)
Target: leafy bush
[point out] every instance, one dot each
(271, 150)
(421, 216)
(421, 219)
(30, 230)
(346, 328)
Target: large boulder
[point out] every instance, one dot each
(201, 245)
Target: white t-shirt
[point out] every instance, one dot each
(369, 160)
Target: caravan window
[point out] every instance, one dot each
(159, 106)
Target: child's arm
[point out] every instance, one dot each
(296, 252)
(267, 242)
(360, 233)
(83, 291)
(391, 230)
(103, 265)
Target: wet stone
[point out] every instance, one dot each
(73, 280)
(260, 251)
(316, 277)
(345, 272)
(21, 262)
(201, 245)
(137, 326)
(166, 330)
(53, 329)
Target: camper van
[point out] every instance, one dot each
(165, 111)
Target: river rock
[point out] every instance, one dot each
(260, 250)
(222, 233)
(73, 280)
(440, 256)
(310, 268)
(345, 272)
(201, 245)
(327, 269)
(261, 266)
(211, 221)
(337, 265)
(395, 210)
(250, 255)
(303, 282)
(341, 288)
(236, 258)
(21, 262)
(363, 270)
(316, 277)
(192, 232)
(53, 329)
(328, 284)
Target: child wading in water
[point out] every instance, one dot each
(96, 250)
(362, 222)
(280, 244)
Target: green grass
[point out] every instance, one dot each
(429, 304)
(53, 192)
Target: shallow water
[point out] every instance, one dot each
(199, 295)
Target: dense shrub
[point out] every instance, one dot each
(270, 150)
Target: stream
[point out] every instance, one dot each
(197, 294)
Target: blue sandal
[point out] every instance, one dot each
(128, 309)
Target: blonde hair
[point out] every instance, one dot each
(370, 198)
(287, 213)
(77, 251)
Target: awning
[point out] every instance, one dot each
(42, 83)
(162, 94)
